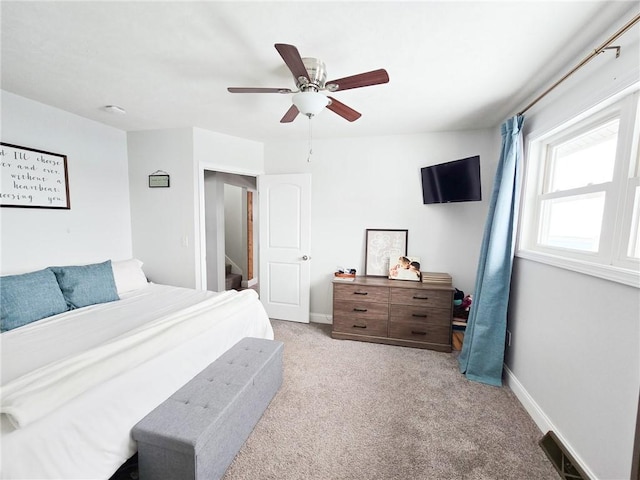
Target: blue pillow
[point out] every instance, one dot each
(29, 297)
(84, 285)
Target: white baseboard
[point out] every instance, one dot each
(527, 401)
(540, 418)
(321, 318)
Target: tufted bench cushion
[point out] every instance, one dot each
(196, 433)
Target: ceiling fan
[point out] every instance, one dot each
(310, 76)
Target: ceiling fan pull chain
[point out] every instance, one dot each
(310, 148)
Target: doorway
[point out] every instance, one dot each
(230, 227)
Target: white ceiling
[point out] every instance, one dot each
(452, 65)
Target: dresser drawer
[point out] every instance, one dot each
(422, 297)
(362, 318)
(425, 315)
(360, 310)
(420, 332)
(361, 293)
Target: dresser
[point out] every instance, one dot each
(395, 312)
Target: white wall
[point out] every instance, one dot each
(224, 153)
(166, 221)
(163, 225)
(361, 183)
(574, 356)
(574, 360)
(235, 221)
(98, 225)
(216, 152)
(214, 218)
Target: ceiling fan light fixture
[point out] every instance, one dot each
(310, 103)
(310, 76)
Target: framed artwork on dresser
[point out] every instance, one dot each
(382, 245)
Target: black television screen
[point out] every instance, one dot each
(457, 181)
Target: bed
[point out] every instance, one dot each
(76, 382)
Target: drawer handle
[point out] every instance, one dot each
(421, 315)
(418, 297)
(359, 326)
(418, 333)
(361, 293)
(359, 309)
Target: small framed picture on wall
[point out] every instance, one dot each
(157, 180)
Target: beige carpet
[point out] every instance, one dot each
(355, 410)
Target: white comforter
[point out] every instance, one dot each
(76, 383)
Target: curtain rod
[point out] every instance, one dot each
(596, 52)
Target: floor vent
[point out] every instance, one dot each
(561, 459)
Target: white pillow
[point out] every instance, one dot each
(128, 275)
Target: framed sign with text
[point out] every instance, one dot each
(157, 180)
(33, 178)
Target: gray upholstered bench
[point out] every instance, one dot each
(196, 433)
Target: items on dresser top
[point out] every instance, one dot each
(411, 314)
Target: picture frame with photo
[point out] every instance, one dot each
(405, 268)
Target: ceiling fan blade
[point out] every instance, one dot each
(374, 77)
(258, 90)
(291, 114)
(292, 58)
(342, 110)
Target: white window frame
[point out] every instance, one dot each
(611, 262)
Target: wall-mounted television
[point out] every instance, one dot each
(456, 181)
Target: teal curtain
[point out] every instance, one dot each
(482, 355)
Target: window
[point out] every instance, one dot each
(582, 195)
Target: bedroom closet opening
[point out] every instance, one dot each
(230, 229)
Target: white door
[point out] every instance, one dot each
(285, 245)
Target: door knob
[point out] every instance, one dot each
(305, 257)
